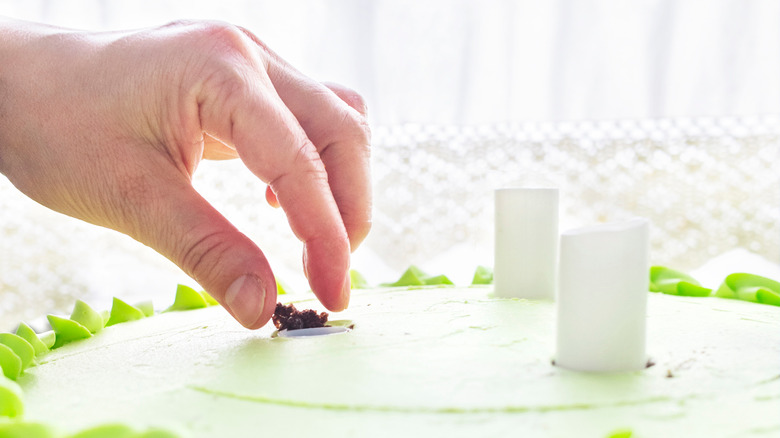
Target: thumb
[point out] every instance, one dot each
(185, 228)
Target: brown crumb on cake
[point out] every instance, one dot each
(289, 318)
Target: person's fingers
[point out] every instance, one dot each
(354, 100)
(244, 110)
(214, 149)
(334, 120)
(167, 214)
(349, 96)
(343, 141)
(270, 197)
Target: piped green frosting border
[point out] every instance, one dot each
(18, 351)
(20, 347)
(750, 287)
(88, 317)
(30, 336)
(123, 312)
(187, 298)
(739, 286)
(672, 282)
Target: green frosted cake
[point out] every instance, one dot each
(418, 361)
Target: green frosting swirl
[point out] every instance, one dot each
(157, 433)
(483, 275)
(23, 429)
(357, 281)
(146, 307)
(750, 287)
(107, 431)
(48, 338)
(209, 299)
(414, 276)
(671, 282)
(20, 347)
(10, 362)
(122, 431)
(86, 316)
(123, 312)
(67, 330)
(11, 405)
(187, 298)
(24, 331)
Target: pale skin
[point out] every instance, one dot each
(110, 127)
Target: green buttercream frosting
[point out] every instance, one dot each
(766, 296)
(107, 431)
(750, 287)
(20, 429)
(10, 399)
(10, 362)
(281, 287)
(48, 338)
(123, 312)
(621, 433)
(147, 307)
(187, 298)
(20, 346)
(30, 336)
(483, 275)
(86, 316)
(414, 276)
(437, 280)
(208, 298)
(357, 281)
(158, 433)
(67, 330)
(672, 282)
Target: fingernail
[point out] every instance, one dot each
(346, 291)
(306, 261)
(245, 298)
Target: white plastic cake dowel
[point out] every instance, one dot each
(526, 245)
(602, 297)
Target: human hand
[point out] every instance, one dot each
(109, 128)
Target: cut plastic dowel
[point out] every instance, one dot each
(602, 297)
(526, 244)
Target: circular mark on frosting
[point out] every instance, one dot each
(314, 331)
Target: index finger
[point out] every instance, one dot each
(333, 117)
(245, 111)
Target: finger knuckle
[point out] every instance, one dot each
(305, 162)
(355, 130)
(354, 99)
(347, 125)
(226, 36)
(200, 257)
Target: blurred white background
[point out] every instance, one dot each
(474, 62)
(661, 108)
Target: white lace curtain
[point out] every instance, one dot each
(660, 108)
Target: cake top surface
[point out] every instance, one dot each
(420, 361)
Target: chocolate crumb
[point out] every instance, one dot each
(669, 374)
(650, 363)
(289, 318)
